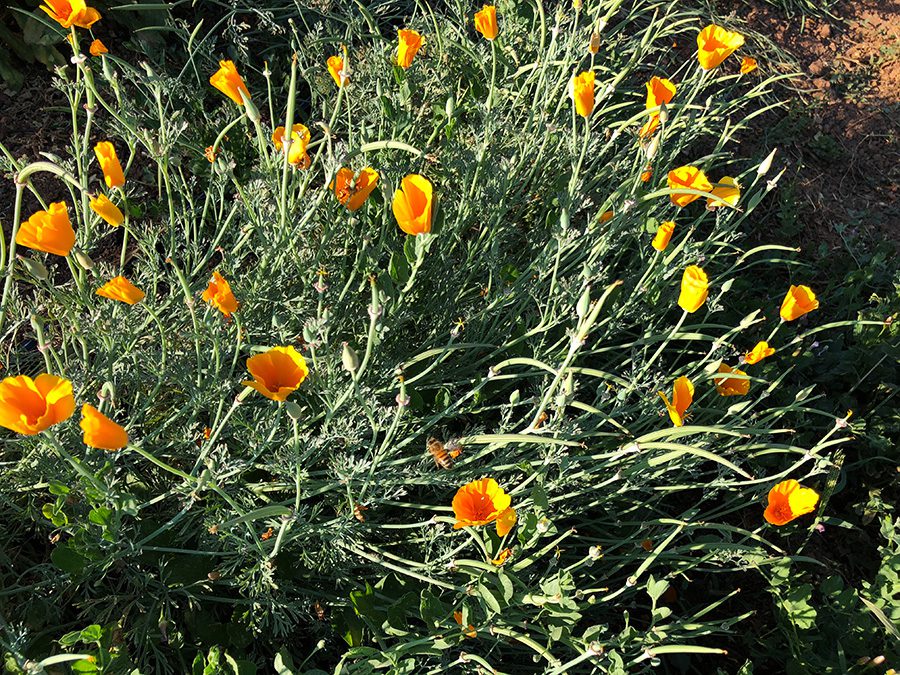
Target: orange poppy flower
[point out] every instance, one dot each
(353, 191)
(607, 216)
(68, 13)
(122, 290)
(49, 231)
(100, 431)
(409, 43)
(103, 207)
(727, 192)
(748, 65)
(277, 373)
(335, 66)
(299, 141)
(412, 204)
(502, 557)
(594, 44)
(650, 126)
(682, 397)
(97, 48)
(663, 235)
(694, 289)
(471, 632)
(109, 162)
(218, 294)
(758, 353)
(687, 177)
(659, 91)
(28, 406)
(481, 502)
(715, 44)
(486, 22)
(227, 80)
(646, 175)
(799, 300)
(582, 91)
(731, 386)
(789, 500)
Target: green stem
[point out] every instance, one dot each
(11, 260)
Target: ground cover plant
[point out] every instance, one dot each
(471, 369)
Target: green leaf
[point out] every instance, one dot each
(68, 560)
(431, 609)
(655, 588)
(490, 598)
(506, 585)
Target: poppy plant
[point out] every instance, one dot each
(731, 386)
(103, 207)
(121, 290)
(799, 300)
(486, 22)
(660, 91)
(694, 289)
(687, 177)
(748, 65)
(277, 373)
(758, 353)
(412, 204)
(299, 141)
(582, 91)
(663, 235)
(101, 432)
(97, 48)
(502, 557)
(789, 500)
(715, 44)
(28, 406)
(682, 397)
(352, 191)
(49, 231)
(218, 294)
(227, 80)
(109, 162)
(470, 632)
(335, 66)
(481, 502)
(409, 42)
(726, 191)
(68, 13)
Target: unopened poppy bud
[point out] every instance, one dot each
(349, 359)
(584, 303)
(450, 106)
(294, 411)
(308, 334)
(84, 260)
(663, 113)
(250, 108)
(35, 268)
(766, 164)
(653, 147)
(594, 45)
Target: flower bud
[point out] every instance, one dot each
(294, 411)
(250, 108)
(84, 260)
(766, 164)
(584, 303)
(35, 268)
(349, 359)
(594, 45)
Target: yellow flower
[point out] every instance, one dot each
(103, 207)
(659, 91)
(582, 90)
(49, 231)
(726, 191)
(28, 406)
(409, 43)
(694, 289)
(353, 191)
(758, 353)
(299, 141)
(227, 80)
(100, 431)
(789, 500)
(486, 22)
(121, 290)
(481, 502)
(647, 174)
(335, 66)
(715, 44)
(97, 48)
(218, 294)
(412, 205)
(682, 397)
(687, 177)
(663, 235)
(277, 373)
(799, 300)
(502, 557)
(748, 65)
(731, 386)
(68, 13)
(109, 162)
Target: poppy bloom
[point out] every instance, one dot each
(748, 65)
(659, 91)
(122, 290)
(758, 353)
(486, 22)
(277, 373)
(352, 191)
(663, 235)
(109, 162)
(101, 432)
(68, 13)
(694, 289)
(481, 502)
(687, 177)
(682, 397)
(218, 294)
(789, 500)
(646, 175)
(594, 44)
(715, 44)
(799, 300)
(607, 216)
(299, 140)
(582, 91)
(227, 80)
(412, 204)
(470, 632)
(731, 386)
(335, 66)
(29, 406)
(409, 43)
(502, 557)
(97, 48)
(727, 192)
(49, 231)
(103, 207)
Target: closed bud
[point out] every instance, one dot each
(35, 268)
(349, 358)
(250, 108)
(308, 334)
(763, 168)
(450, 106)
(653, 147)
(84, 260)
(594, 45)
(663, 113)
(293, 410)
(584, 303)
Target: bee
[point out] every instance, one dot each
(358, 512)
(441, 456)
